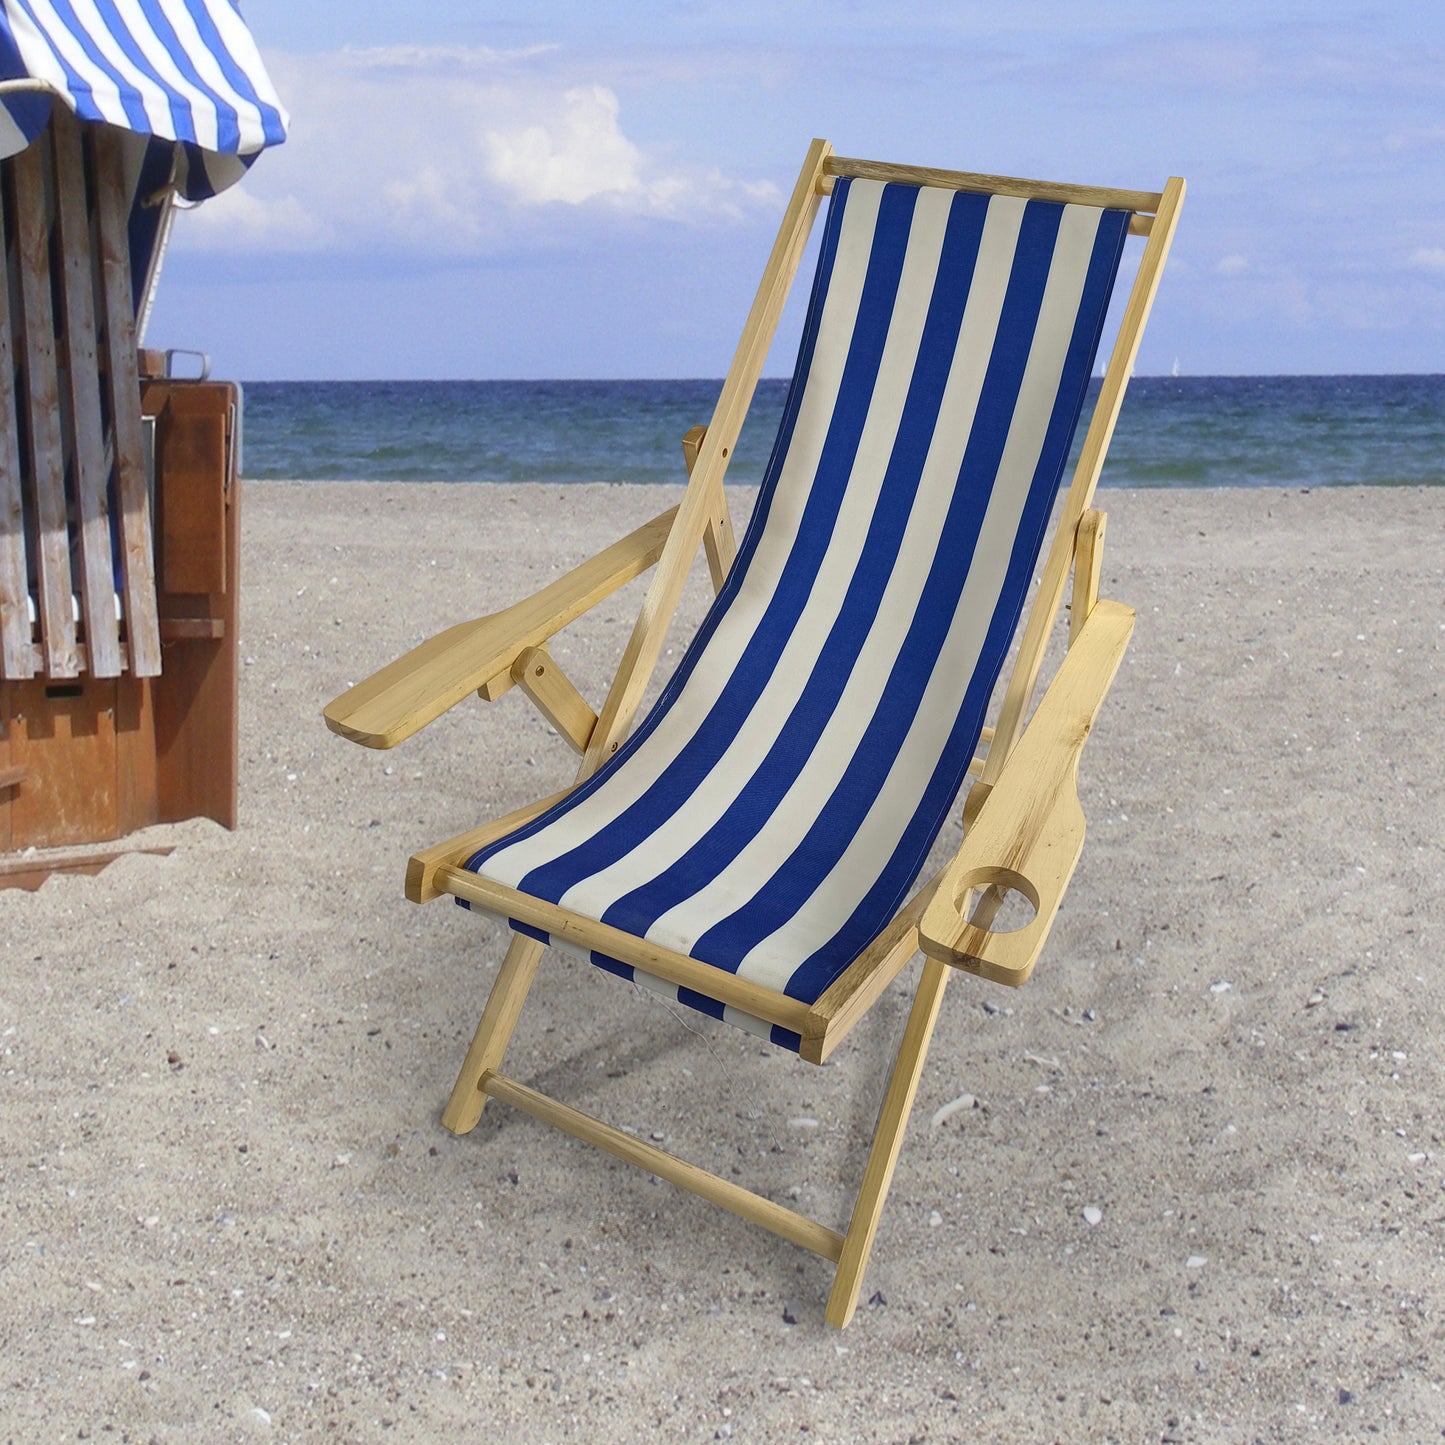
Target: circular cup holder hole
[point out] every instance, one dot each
(998, 908)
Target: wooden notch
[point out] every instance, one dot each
(717, 538)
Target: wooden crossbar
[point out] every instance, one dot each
(1145, 202)
(632, 1150)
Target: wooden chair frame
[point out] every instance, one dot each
(1024, 825)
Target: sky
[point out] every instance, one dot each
(559, 190)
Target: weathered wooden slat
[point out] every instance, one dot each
(80, 368)
(44, 467)
(16, 660)
(123, 379)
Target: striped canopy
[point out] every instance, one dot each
(774, 809)
(184, 72)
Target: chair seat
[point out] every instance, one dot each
(772, 813)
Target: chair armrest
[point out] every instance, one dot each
(416, 689)
(1030, 830)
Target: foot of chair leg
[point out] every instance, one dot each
(887, 1141)
(489, 1043)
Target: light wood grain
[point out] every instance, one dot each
(557, 699)
(588, 935)
(494, 1032)
(422, 867)
(416, 689)
(887, 1142)
(1030, 830)
(1088, 567)
(717, 538)
(1068, 194)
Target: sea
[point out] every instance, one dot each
(1185, 431)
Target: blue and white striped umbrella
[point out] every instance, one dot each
(185, 72)
(773, 811)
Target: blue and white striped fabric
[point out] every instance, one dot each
(185, 72)
(772, 812)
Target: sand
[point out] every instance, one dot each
(1199, 1193)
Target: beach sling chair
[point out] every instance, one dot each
(752, 849)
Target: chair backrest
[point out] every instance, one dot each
(74, 511)
(821, 723)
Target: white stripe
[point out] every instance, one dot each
(49, 38)
(153, 97)
(774, 959)
(202, 106)
(43, 44)
(838, 742)
(726, 646)
(791, 676)
(242, 48)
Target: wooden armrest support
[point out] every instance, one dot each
(416, 689)
(1030, 830)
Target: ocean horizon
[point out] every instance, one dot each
(1174, 431)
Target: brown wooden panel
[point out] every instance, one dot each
(44, 467)
(192, 503)
(111, 208)
(196, 696)
(15, 650)
(80, 369)
(63, 735)
(137, 793)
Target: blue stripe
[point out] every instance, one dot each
(138, 66)
(182, 117)
(798, 736)
(857, 791)
(235, 73)
(78, 86)
(887, 895)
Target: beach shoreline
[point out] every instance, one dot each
(228, 1208)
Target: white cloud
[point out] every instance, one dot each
(451, 151)
(581, 154)
(1428, 258)
(1235, 265)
